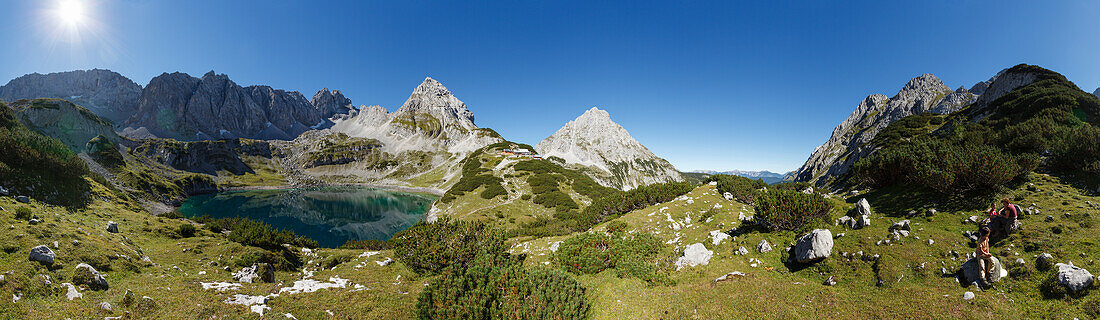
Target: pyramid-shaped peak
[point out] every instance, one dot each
(925, 82)
(595, 113)
(432, 86)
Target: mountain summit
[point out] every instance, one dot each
(432, 119)
(848, 143)
(593, 140)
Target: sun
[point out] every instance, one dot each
(70, 12)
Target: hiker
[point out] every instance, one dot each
(985, 259)
(1003, 221)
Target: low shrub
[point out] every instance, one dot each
(497, 286)
(590, 253)
(186, 230)
(617, 226)
(743, 189)
(789, 210)
(428, 248)
(23, 213)
(368, 245)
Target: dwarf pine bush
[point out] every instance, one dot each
(789, 210)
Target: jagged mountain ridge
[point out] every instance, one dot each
(926, 93)
(177, 105)
(618, 160)
(106, 93)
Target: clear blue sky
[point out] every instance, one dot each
(707, 85)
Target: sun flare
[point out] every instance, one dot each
(70, 12)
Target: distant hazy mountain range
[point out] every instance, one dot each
(767, 176)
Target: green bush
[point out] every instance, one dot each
(633, 255)
(255, 233)
(791, 185)
(605, 208)
(789, 210)
(186, 230)
(525, 197)
(368, 245)
(105, 152)
(952, 168)
(743, 189)
(496, 286)
(556, 200)
(617, 226)
(428, 248)
(23, 213)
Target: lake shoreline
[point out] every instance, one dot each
(422, 190)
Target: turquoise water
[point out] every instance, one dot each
(330, 215)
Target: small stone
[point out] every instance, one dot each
(23, 199)
(930, 212)
(1044, 261)
(1049, 219)
(105, 306)
(830, 281)
(71, 292)
(128, 298)
(931, 242)
(741, 251)
(112, 227)
(85, 274)
(968, 295)
(763, 246)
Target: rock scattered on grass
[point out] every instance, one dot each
(112, 227)
(813, 246)
(260, 272)
(694, 254)
(1073, 277)
(42, 254)
(968, 295)
(1044, 261)
(71, 292)
(23, 199)
(830, 281)
(763, 246)
(85, 274)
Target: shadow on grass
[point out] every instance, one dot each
(897, 201)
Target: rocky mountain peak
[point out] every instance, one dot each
(594, 140)
(331, 103)
(432, 98)
(1096, 93)
(849, 140)
(922, 84)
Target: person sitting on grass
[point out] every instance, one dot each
(1003, 221)
(985, 259)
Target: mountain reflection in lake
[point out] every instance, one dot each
(330, 215)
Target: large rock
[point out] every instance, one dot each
(260, 272)
(1073, 277)
(85, 274)
(695, 254)
(43, 254)
(972, 273)
(863, 207)
(813, 246)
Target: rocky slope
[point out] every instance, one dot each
(616, 159)
(63, 120)
(179, 106)
(847, 144)
(431, 120)
(427, 136)
(1096, 93)
(104, 92)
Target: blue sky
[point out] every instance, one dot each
(707, 85)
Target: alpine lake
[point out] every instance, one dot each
(329, 215)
